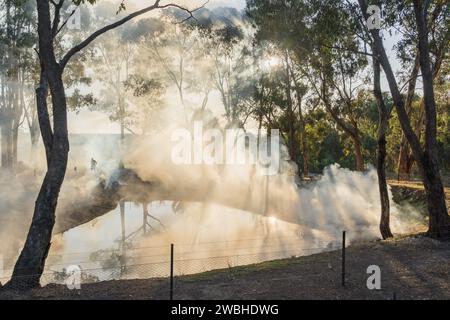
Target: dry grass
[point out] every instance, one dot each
(412, 267)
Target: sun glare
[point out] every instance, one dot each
(271, 62)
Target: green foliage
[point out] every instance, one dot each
(140, 86)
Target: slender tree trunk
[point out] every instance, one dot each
(405, 150)
(43, 114)
(291, 117)
(17, 112)
(403, 172)
(120, 106)
(31, 262)
(6, 120)
(4, 133)
(385, 228)
(406, 158)
(383, 115)
(14, 142)
(34, 140)
(303, 138)
(360, 166)
(123, 243)
(145, 214)
(7, 140)
(305, 149)
(439, 219)
(122, 120)
(4, 144)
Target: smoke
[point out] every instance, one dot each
(225, 215)
(339, 200)
(209, 236)
(221, 210)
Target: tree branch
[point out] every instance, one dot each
(116, 24)
(348, 50)
(57, 18)
(65, 22)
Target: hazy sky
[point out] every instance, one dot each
(97, 122)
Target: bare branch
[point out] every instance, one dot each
(57, 18)
(190, 12)
(65, 22)
(365, 53)
(122, 21)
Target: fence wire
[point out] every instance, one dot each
(322, 274)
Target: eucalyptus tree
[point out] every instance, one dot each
(275, 22)
(229, 53)
(173, 47)
(384, 113)
(327, 44)
(426, 157)
(112, 65)
(400, 18)
(31, 262)
(317, 36)
(16, 42)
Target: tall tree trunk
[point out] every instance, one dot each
(305, 149)
(30, 265)
(14, 142)
(406, 158)
(145, 214)
(303, 137)
(405, 150)
(120, 106)
(408, 165)
(6, 114)
(404, 173)
(290, 116)
(4, 144)
(427, 160)
(439, 219)
(7, 139)
(31, 262)
(122, 119)
(34, 140)
(360, 166)
(383, 115)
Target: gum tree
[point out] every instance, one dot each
(426, 156)
(16, 59)
(31, 262)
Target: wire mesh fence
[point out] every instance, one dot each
(326, 272)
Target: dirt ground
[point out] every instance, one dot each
(411, 268)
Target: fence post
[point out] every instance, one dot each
(394, 296)
(343, 258)
(171, 271)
